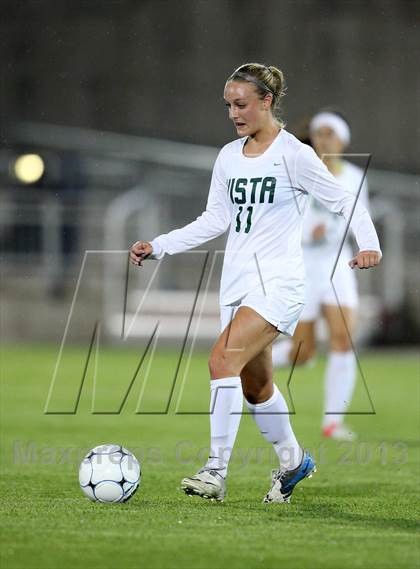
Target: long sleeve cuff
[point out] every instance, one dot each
(158, 252)
(364, 231)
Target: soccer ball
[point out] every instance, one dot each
(109, 473)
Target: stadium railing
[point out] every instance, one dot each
(113, 210)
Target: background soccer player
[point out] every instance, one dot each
(322, 237)
(258, 189)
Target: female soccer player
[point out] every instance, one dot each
(258, 187)
(335, 299)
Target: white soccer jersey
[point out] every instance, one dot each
(262, 200)
(328, 247)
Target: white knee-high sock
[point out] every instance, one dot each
(340, 379)
(281, 351)
(226, 400)
(273, 421)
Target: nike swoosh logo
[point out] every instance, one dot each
(305, 470)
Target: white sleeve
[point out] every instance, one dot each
(210, 224)
(364, 195)
(308, 223)
(313, 176)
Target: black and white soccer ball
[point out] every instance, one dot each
(109, 473)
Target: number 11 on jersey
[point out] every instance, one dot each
(249, 209)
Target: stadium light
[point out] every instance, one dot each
(28, 168)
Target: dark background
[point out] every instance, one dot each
(133, 75)
(158, 68)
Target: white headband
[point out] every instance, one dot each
(333, 121)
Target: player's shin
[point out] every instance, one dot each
(226, 401)
(272, 418)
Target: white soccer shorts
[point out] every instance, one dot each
(275, 304)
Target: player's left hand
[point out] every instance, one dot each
(366, 259)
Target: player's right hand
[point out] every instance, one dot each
(139, 251)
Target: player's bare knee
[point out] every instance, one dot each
(222, 365)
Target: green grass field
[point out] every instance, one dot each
(359, 510)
